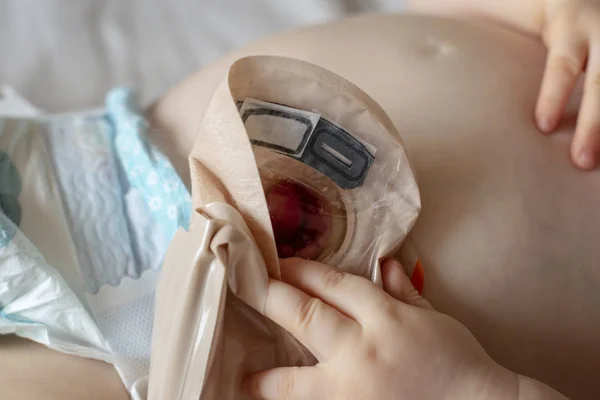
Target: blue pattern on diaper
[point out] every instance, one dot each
(146, 168)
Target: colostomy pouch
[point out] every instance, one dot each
(290, 160)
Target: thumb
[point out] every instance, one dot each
(397, 284)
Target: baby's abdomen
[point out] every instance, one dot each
(509, 228)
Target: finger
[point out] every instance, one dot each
(397, 284)
(586, 143)
(352, 295)
(566, 58)
(321, 328)
(294, 383)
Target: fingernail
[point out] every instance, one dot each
(545, 124)
(586, 159)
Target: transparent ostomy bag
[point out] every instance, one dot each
(290, 160)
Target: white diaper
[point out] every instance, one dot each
(88, 208)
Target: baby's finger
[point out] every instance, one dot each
(566, 58)
(321, 328)
(294, 383)
(351, 294)
(586, 143)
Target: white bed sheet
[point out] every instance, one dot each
(64, 55)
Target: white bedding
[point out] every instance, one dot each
(64, 55)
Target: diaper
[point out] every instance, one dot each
(88, 208)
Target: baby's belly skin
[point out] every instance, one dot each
(31, 371)
(509, 229)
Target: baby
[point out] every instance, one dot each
(390, 343)
(507, 233)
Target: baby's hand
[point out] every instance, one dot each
(371, 345)
(572, 34)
